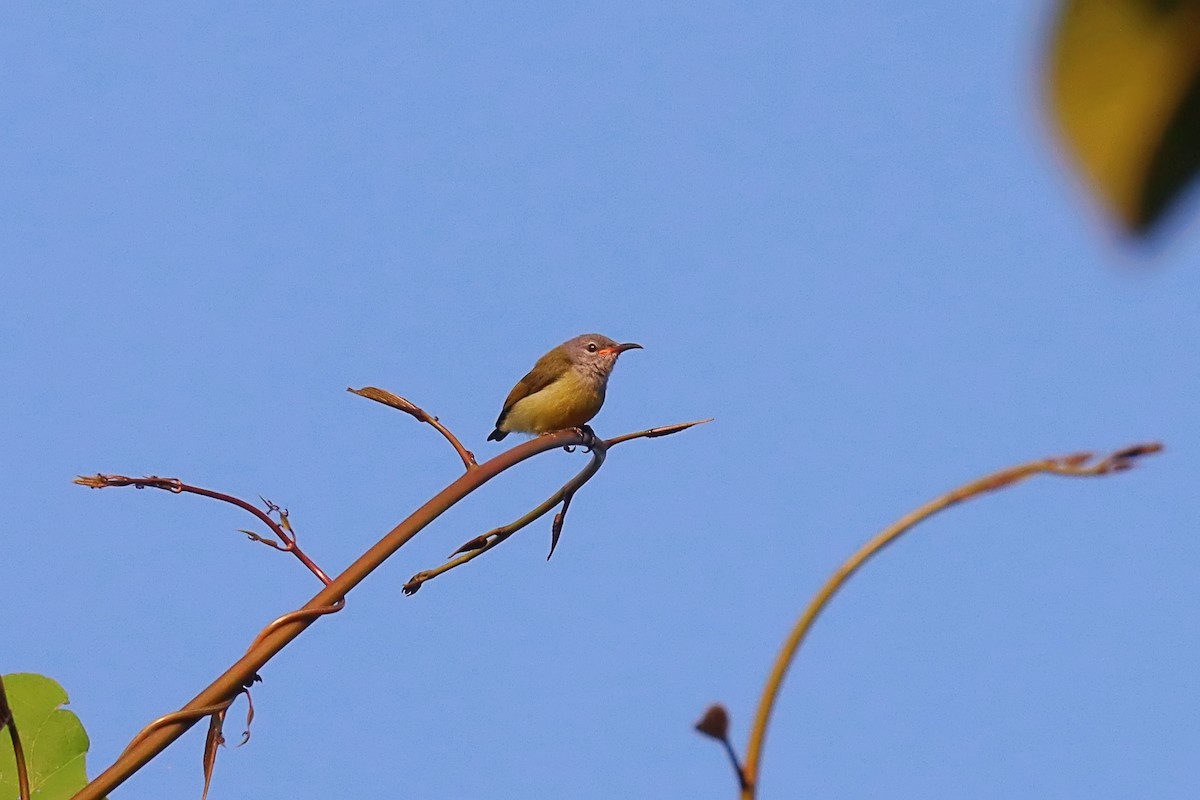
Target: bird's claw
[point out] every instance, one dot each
(589, 437)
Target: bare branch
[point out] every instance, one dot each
(1075, 465)
(654, 433)
(221, 692)
(282, 529)
(408, 407)
(481, 544)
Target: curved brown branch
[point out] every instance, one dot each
(280, 633)
(486, 541)
(7, 720)
(299, 615)
(1073, 465)
(410, 408)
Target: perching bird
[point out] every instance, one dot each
(564, 389)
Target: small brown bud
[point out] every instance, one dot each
(715, 722)
(478, 543)
(1139, 450)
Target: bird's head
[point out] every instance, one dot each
(596, 352)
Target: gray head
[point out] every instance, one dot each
(596, 353)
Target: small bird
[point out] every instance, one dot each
(564, 389)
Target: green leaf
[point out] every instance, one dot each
(53, 739)
(1124, 87)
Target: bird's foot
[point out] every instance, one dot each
(585, 432)
(589, 437)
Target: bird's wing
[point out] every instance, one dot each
(548, 369)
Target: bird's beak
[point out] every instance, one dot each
(621, 348)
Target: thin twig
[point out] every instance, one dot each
(486, 541)
(7, 720)
(408, 407)
(299, 615)
(222, 690)
(1073, 465)
(654, 433)
(287, 541)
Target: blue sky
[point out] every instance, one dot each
(845, 233)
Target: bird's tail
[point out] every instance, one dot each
(497, 435)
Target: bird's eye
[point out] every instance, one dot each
(591, 348)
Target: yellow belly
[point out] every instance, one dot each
(569, 402)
